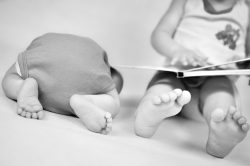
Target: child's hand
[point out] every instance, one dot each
(185, 57)
(232, 65)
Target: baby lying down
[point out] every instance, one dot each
(65, 74)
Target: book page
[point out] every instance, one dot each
(218, 66)
(170, 69)
(210, 70)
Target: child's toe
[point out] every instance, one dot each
(178, 92)
(184, 98)
(242, 120)
(172, 96)
(245, 127)
(236, 115)
(218, 115)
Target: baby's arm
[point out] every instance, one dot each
(162, 37)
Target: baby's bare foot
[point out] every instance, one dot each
(226, 130)
(152, 111)
(28, 105)
(95, 119)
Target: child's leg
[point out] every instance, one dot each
(96, 111)
(24, 91)
(227, 127)
(160, 101)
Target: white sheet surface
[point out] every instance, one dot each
(123, 28)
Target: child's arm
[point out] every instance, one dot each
(248, 38)
(247, 45)
(162, 37)
(248, 32)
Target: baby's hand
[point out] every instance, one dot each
(185, 57)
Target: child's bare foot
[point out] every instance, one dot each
(95, 119)
(152, 111)
(28, 104)
(226, 130)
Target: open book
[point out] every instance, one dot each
(211, 70)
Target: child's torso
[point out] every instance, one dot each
(219, 37)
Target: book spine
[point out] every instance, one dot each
(180, 74)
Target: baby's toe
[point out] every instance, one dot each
(242, 120)
(19, 110)
(23, 114)
(245, 127)
(236, 115)
(108, 126)
(40, 114)
(108, 115)
(28, 115)
(34, 115)
(156, 100)
(109, 120)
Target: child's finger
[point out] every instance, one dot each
(174, 60)
(184, 61)
(200, 60)
(192, 62)
(203, 62)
